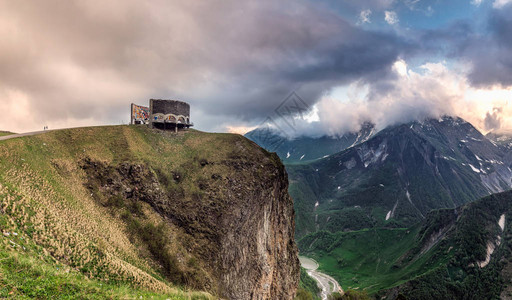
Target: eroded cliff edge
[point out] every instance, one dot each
(152, 209)
(232, 210)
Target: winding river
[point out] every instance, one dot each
(328, 284)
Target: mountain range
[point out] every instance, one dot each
(304, 148)
(388, 213)
(397, 176)
(459, 253)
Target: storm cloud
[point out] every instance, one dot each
(78, 63)
(81, 62)
(490, 53)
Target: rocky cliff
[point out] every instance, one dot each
(203, 211)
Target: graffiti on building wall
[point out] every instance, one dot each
(140, 113)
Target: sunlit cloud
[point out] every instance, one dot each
(364, 16)
(400, 67)
(240, 129)
(391, 17)
(476, 2)
(500, 3)
(432, 92)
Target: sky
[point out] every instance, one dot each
(308, 67)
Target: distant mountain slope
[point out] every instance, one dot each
(398, 176)
(501, 138)
(462, 253)
(2, 133)
(148, 210)
(305, 148)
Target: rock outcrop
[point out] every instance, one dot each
(233, 214)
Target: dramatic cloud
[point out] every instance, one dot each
(407, 95)
(492, 120)
(490, 54)
(77, 62)
(487, 50)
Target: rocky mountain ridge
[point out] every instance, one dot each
(304, 148)
(399, 175)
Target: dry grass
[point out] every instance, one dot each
(43, 197)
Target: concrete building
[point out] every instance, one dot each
(169, 114)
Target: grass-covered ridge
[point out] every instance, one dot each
(4, 133)
(66, 221)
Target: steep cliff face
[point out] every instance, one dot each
(259, 258)
(206, 211)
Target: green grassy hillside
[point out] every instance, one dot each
(443, 257)
(368, 259)
(4, 133)
(71, 228)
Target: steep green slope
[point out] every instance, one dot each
(480, 266)
(365, 259)
(28, 275)
(160, 212)
(458, 253)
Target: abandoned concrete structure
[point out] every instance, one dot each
(169, 114)
(163, 114)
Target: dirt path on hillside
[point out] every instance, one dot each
(17, 135)
(328, 284)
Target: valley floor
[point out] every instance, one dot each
(328, 284)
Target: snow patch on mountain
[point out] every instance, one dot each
(474, 169)
(384, 156)
(369, 155)
(408, 196)
(448, 158)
